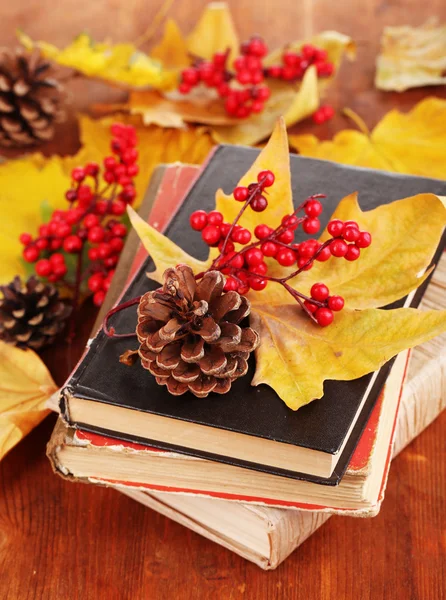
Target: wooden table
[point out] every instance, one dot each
(61, 540)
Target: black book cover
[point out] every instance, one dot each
(321, 425)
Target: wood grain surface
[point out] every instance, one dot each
(63, 541)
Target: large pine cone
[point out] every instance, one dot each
(30, 99)
(190, 335)
(31, 314)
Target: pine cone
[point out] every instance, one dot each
(189, 333)
(30, 100)
(31, 314)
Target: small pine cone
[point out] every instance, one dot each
(189, 333)
(31, 314)
(31, 100)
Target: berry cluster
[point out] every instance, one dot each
(246, 266)
(89, 228)
(243, 88)
(323, 113)
(294, 64)
(239, 101)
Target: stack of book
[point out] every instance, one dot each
(242, 469)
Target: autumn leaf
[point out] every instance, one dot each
(295, 355)
(122, 64)
(214, 32)
(25, 386)
(28, 183)
(411, 143)
(412, 57)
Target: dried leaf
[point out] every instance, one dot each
(47, 179)
(412, 57)
(172, 51)
(296, 356)
(394, 145)
(214, 32)
(122, 65)
(25, 386)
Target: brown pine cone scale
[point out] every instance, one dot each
(190, 335)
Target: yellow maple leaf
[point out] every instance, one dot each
(122, 64)
(25, 386)
(28, 182)
(411, 143)
(412, 57)
(296, 356)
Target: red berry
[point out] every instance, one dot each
(90, 221)
(108, 177)
(311, 225)
(290, 221)
(350, 234)
(289, 58)
(319, 291)
(111, 261)
(302, 261)
(253, 257)
(98, 298)
(313, 208)
(124, 181)
(269, 249)
(237, 261)
(244, 77)
(73, 215)
(287, 236)
(198, 220)
(92, 169)
(184, 88)
(336, 303)
(242, 236)
(324, 316)
(128, 194)
(211, 235)
(351, 224)
(60, 270)
(132, 170)
(71, 195)
(57, 259)
(130, 156)
(110, 163)
(95, 282)
(31, 254)
(56, 244)
(117, 207)
(63, 230)
(42, 243)
(25, 238)
(319, 116)
(364, 240)
(257, 283)
(104, 250)
(266, 178)
(257, 47)
(310, 306)
(223, 90)
(43, 267)
(285, 257)
(260, 269)
(225, 229)
(324, 254)
(96, 234)
(78, 174)
(44, 230)
(101, 207)
(335, 227)
(229, 246)
(308, 51)
(240, 193)
(93, 254)
(338, 248)
(190, 76)
(328, 112)
(230, 285)
(72, 244)
(353, 253)
(258, 204)
(116, 244)
(262, 231)
(215, 218)
(275, 71)
(119, 230)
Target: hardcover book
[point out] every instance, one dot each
(250, 427)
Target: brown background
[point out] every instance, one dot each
(60, 540)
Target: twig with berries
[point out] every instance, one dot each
(242, 85)
(246, 269)
(82, 244)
